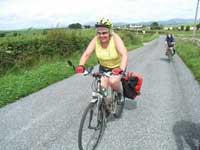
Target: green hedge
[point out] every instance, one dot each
(25, 50)
(190, 53)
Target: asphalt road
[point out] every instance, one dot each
(166, 116)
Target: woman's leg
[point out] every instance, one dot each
(105, 82)
(115, 83)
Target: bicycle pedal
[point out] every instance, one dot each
(119, 102)
(107, 114)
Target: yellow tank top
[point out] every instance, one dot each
(108, 57)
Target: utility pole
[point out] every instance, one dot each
(195, 20)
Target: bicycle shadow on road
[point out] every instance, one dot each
(130, 104)
(189, 132)
(165, 59)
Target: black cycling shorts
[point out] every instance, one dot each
(104, 69)
(170, 45)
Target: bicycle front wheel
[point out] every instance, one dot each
(170, 55)
(91, 127)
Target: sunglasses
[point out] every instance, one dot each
(102, 33)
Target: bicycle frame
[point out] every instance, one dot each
(112, 94)
(169, 52)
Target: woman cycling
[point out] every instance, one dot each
(169, 42)
(111, 54)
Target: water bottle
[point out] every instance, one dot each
(104, 91)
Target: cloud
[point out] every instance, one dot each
(68, 11)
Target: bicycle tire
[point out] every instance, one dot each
(83, 145)
(170, 55)
(119, 108)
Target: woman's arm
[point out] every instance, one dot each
(122, 51)
(88, 51)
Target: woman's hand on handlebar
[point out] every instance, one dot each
(80, 69)
(117, 71)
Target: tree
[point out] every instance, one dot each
(2, 34)
(187, 28)
(44, 32)
(198, 26)
(155, 26)
(87, 26)
(15, 33)
(182, 28)
(161, 26)
(75, 26)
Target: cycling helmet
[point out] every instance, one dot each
(104, 23)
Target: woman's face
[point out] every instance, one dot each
(104, 34)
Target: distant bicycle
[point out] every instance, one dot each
(93, 121)
(170, 53)
(170, 44)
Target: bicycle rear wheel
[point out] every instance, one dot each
(91, 127)
(119, 106)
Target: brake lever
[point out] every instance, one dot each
(123, 74)
(88, 71)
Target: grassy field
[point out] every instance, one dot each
(186, 34)
(182, 33)
(190, 54)
(24, 82)
(16, 84)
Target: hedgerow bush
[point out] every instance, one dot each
(26, 50)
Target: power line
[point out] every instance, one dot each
(195, 20)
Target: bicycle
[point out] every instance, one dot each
(93, 121)
(169, 53)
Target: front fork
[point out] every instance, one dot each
(100, 112)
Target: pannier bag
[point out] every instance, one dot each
(132, 83)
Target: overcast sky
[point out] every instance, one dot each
(17, 14)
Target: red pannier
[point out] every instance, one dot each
(132, 83)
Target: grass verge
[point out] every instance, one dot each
(190, 54)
